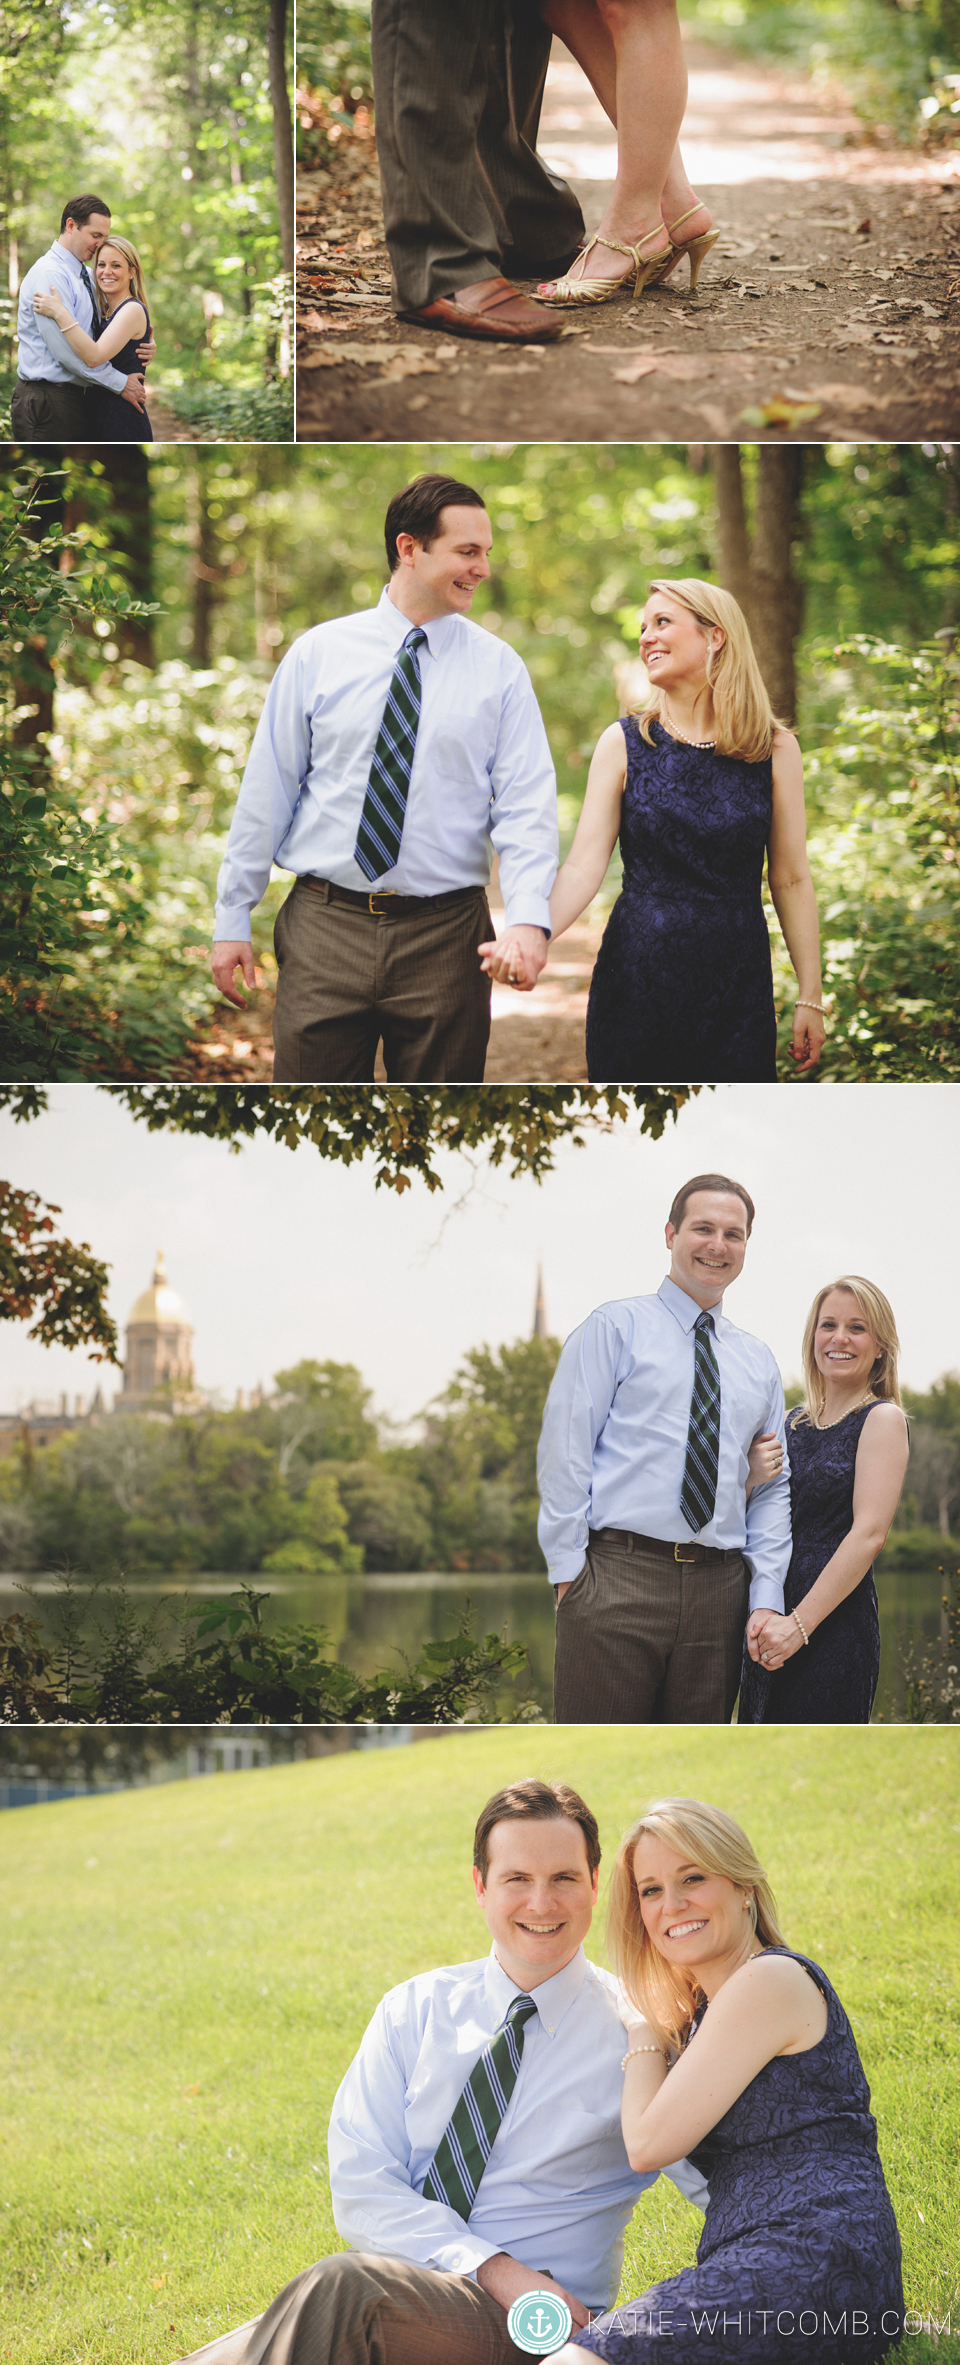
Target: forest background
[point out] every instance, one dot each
(148, 596)
(178, 113)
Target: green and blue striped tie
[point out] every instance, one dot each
(385, 803)
(468, 2138)
(698, 1494)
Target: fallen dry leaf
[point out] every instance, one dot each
(313, 321)
(329, 356)
(633, 371)
(409, 364)
(781, 411)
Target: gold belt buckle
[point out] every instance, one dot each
(686, 1560)
(378, 895)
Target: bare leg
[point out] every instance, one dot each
(630, 52)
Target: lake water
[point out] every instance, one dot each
(373, 1620)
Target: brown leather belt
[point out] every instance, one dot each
(687, 1554)
(382, 901)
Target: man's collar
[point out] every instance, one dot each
(685, 1309)
(553, 1997)
(72, 261)
(397, 626)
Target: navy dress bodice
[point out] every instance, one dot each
(682, 989)
(833, 1679)
(116, 421)
(798, 2223)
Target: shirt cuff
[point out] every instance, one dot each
(562, 1567)
(533, 912)
(113, 378)
(232, 924)
(766, 1594)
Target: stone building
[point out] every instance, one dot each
(159, 1347)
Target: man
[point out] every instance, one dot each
(461, 2185)
(50, 399)
(465, 197)
(395, 746)
(649, 1540)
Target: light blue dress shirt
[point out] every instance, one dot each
(482, 771)
(614, 1439)
(558, 2188)
(44, 351)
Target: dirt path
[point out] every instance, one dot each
(535, 1038)
(167, 428)
(824, 311)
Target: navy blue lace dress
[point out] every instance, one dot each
(115, 419)
(682, 990)
(800, 2252)
(834, 1679)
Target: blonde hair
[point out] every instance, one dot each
(745, 719)
(130, 256)
(876, 1309)
(666, 1994)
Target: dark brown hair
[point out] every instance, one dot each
(79, 210)
(710, 1182)
(417, 510)
(531, 1801)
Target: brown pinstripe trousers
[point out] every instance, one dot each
(355, 2309)
(644, 1640)
(350, 978)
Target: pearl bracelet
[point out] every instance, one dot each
(631, 2056)
(799, 1622)
(801, 1003)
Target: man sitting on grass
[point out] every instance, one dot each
(475, 2144)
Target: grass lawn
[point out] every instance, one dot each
(188, 1970)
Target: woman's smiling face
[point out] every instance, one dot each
(844, 1346)
(674, 647)
(691, 1916)
(113, 273)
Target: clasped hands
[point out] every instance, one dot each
(516, 959)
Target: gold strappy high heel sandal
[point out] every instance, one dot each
(596, 291)
(696, 248)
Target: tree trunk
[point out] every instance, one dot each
(127, 471)
(777, 596)
(34, 682)
(209, 574)
(732, 534)
(282, 127)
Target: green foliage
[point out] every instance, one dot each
(334, 74)
(885, 852)
(932, 1676)
(58, 1281)
(167, 115)
(228, 1671)
(892, 57)
(480, 1456)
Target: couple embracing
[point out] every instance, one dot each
(502, 2118)
(700, 1542)
(401, 746)
(84, 337)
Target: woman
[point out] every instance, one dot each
(820, 1662)
(766, 2094)
(122, 303)
(697, 787)
(630, 50)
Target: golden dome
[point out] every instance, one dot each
(160, 1303)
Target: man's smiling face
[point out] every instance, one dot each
(708, 1247)
(538, 1896)
(447, 572)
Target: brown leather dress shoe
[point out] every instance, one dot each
(491, 308)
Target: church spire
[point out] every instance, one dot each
(540, 1330)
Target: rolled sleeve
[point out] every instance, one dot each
(769, 1535)
(583, 1389)
(269, 794)
(375, 2205)
(523, 815)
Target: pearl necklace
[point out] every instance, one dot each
(671, 726)
(868, 1398)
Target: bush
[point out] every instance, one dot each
(892, 57)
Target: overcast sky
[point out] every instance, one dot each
(279, 1255)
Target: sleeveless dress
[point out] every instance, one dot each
(116, 421)
(682, 990)
(799, 2227)
(833, 1680)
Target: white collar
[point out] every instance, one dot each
(552, 1997)
(397, 625)
(685, 1309)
